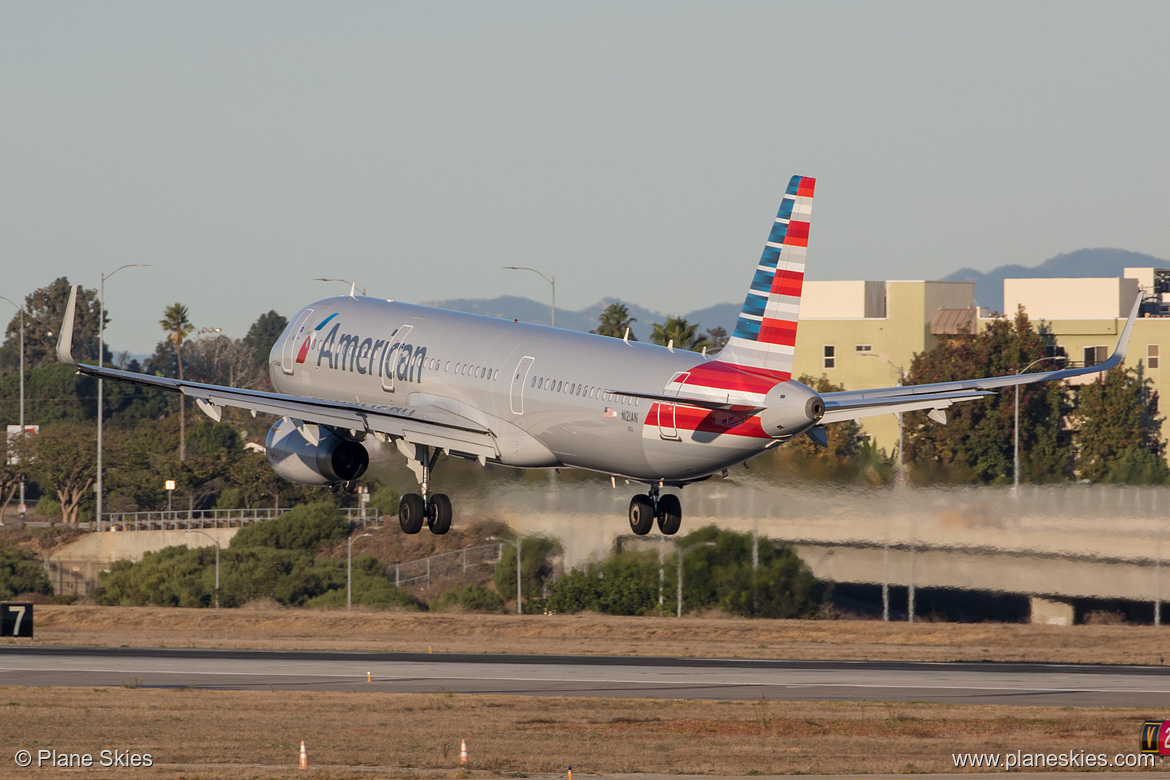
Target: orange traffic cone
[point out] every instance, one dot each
(463, 751)
(304, 764)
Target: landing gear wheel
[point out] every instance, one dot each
(440, 514)
(669, 514)
(641, 514)
(411, 513)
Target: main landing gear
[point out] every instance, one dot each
(645, 509)
(415, 509)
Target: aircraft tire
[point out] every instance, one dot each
(641, 514)
(411, 513)
(669, 514)
(441, 511)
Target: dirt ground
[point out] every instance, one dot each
(711, 637)
(229, 735)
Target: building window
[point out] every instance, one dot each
(1094, 355)
(1151, 356)
(830, 356)
(864, 348)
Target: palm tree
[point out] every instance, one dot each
(614, 321)
(178, 327)
(683, 334)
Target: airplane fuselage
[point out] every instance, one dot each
(552, 397)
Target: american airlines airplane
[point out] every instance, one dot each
(358, 378)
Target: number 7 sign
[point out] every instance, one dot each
(16, 619)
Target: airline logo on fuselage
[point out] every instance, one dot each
(388, 358)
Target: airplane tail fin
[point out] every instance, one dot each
(764, 340)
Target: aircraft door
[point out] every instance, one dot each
(390, 360)
(667, 422)
(519, 378)
(288, 355)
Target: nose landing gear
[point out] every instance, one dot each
(646, 508)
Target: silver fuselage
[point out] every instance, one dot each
(544, 392)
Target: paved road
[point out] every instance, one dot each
(670, 678)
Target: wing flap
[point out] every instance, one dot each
(838, 411)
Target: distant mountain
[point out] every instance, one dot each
(1083, 262)
(511, 307)
(988, 292)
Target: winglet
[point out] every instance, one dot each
(1123, 340)
(65, 337)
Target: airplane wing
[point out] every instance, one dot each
(853, 404)
(426, 425)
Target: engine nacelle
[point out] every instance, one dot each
(332, 460)
(792, 408)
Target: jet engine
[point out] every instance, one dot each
(329, 460)
(791, 408)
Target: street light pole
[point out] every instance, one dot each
(349, 570)
(1016, 426)
(21, 310)
(552, 281)
(516, 544)
(679, 576)
(212, 538)
(101, 396)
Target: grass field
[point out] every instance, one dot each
(229, 735)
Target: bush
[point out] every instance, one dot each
(536, 569)
(170, 577)
(230, 498)
(48, 507)
(623, 584)
(21, 572)
(370, 589)
(307, 528)
(721, 577)
(384, 500)
(718, 577)
(473, 598)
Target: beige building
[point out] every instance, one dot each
(862, 334)
(865, 334)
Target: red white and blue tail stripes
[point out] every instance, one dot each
(765, 334)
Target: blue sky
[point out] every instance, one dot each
(631, 149)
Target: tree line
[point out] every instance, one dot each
(1108, 430)
(142, 447)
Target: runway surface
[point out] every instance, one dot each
(669, 678)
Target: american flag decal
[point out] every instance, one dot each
(609, 412)
(765, 334)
